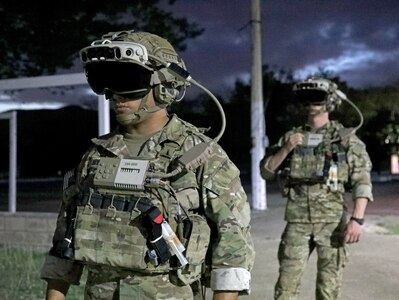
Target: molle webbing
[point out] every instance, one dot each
(121, 203)
(152, 217)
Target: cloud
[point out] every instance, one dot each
(360, 59)
(356, 39)
(233, 78)
(13, 105)
(48, 98)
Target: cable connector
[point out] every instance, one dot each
(179, 72)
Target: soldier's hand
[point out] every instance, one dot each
(56, 289)
(224, 295)
(352, 232)
(293, 141)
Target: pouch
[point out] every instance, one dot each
(196, 250)
(109, 237)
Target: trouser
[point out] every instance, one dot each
(297, 243)
(105, 283)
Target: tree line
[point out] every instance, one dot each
(35, 42)
(51, 142)
(378, 105)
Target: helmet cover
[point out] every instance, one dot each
(130, 62)
(318, 91)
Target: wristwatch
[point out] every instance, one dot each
(357, 220)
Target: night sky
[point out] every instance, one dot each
(356, 40)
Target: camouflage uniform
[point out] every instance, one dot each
(213, 191)
(316, 217)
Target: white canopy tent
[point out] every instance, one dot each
(34, 83)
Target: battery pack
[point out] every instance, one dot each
(126, 174)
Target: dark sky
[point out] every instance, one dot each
(357, 40)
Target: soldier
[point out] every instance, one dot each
(317, 161)
(155, 209)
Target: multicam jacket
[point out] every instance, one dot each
(313, 202)
(214, 190)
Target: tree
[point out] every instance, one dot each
(378, 107)
(39, 37)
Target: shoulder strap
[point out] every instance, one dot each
(344, 135)
(170, 149)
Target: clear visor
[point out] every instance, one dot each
(117, 77)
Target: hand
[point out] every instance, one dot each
(352, 232)
(56, 289)
(223, 295)
(293, 141)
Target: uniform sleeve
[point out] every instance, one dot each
(265, 172)
(54, 266)
(227, 208)
(359, 167)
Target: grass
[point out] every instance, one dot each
(393, 228)
(390, 223)
(20, 271)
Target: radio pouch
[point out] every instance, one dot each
(196, 250)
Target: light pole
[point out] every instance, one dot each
(258, 136)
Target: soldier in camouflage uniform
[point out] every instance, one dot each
(182, 227)
(317, 162)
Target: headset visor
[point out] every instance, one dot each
(117, 77)
(311, 96)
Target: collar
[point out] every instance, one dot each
(329, 125)
(173, 131)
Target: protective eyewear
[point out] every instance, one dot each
(117, 77)
(311, 97)
(131, 96)
(117, 67)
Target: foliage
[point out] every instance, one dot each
(394, 229)
(39, 37)
(280, 110)
(377, 105)
(71, 128)
(20, 269)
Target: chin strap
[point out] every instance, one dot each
(323, 109)
(135, 117)
(320, 111)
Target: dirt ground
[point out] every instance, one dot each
(372, 271)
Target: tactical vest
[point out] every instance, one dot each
(325, 163)
(120, 226)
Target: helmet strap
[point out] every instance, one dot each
(136, 117)
(322, 110)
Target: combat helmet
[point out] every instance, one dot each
(321, 91)
(131, 63)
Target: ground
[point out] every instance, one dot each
(371, 273)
